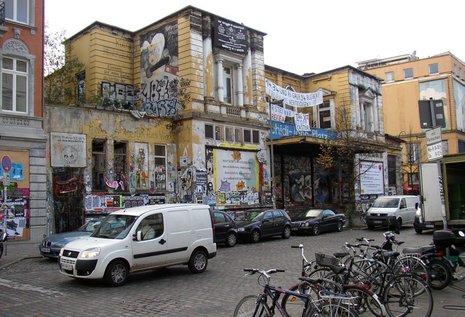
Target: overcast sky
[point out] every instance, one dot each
(302, 36)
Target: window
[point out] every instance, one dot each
(229, 134)
(389, 76)
(247, 136)
(408, 73)
(413, 152)
(119, 165)
(98, 165)
(219, 133)
(461, 146)
(228, 85)
(368, 116)
(160, 167)
(17, 10)
(434, 107)
(392, 170)
(238, 135)
(14, 85)
(209, 131)
(324, 115)
(434, 68)
(151, 227)
(255, 137)
(445, 147)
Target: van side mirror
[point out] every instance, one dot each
(137, 236)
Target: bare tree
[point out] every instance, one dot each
(350, 147)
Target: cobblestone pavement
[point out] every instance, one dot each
(34, 286)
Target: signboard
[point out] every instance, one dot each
(235, 170)
(230, 36)
(68, 150)
(371, 178)
(282, 130)
(434, 144)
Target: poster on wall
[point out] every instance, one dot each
(371, 177)
(235, 170)
(15, 214)
(141, 166)
(68, 149)
(230, 36)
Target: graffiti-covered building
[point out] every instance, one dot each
(174, 112)
(22, 138)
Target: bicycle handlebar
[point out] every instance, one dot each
(270, 271)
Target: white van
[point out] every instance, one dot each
(392, 210)
(142, 238)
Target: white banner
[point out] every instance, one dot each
(371, 177)
(302, 122)
(293, 98)
(279, 113)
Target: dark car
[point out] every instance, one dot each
(225, 228)
(252, 225)
(50, 246)
(313, 221)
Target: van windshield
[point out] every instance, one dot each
(114, 227)
(386, 202)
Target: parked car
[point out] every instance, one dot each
(253, 225)
(50, 246)
(313, 221)
(225, 228)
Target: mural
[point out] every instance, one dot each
(435, 89)
(159, 71)
(459, 96)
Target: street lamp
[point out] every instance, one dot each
(272, 102)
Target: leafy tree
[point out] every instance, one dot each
(60, 70)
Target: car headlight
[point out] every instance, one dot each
(306, 224)
(61, 251)
(241, 229)
(90, 253)
(418, 213)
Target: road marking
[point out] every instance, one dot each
(28, 287)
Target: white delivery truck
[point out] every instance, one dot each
(392, 211)
(142, 238)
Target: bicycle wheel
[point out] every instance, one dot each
(365, 303)
(251, 305)
(291, 304)
(411, 265)
(331, 310)
(408, 294)
(439, 273)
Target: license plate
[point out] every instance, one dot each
(377, 221)
(66, 266)
(295, 229)
(45, 250)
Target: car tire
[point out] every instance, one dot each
(418, 230)
(255, 236)
(316, 229)
(198, 261)
(370, 227)
(231, 240)
(286, 232)
(340, 225)
(117, 273)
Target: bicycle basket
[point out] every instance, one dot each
(326, 260)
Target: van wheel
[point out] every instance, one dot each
(117, 273)
(287, 232)
(399, 223)
(370, 227)
(255, 236)
(231, 240)
(198, 261)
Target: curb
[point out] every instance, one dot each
(6, 265)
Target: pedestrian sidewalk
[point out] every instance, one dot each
(17, 251)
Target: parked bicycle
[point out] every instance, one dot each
(266, 304)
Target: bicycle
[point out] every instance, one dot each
(267, 302)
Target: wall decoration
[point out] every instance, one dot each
(230, 36)
(235, 170)
(67, 149)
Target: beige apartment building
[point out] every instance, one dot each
(420, 94)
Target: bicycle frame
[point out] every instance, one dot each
(274, 293)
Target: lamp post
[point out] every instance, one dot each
(270, 103)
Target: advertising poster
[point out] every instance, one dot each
(371, 178)
(235, 170)
(15, 214)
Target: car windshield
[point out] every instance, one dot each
(114, 227)
(89, 226)
(249, 215)
(312, 213)
(386, 203)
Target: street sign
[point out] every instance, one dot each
(434, 151)
(433, 136)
